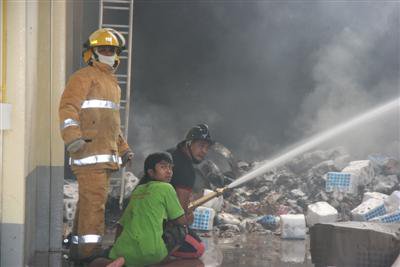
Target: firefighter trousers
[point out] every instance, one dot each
(89, 217)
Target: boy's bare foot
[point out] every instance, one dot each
(117, 263)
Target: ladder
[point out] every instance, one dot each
(118, 14)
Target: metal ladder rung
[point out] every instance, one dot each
(114, 26)
(106, 20)
(116, 8)
(117, 1)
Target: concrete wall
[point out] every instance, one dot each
(33, 153)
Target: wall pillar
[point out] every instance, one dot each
(14, 141)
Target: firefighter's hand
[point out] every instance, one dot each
(76, 145)
(127, 158)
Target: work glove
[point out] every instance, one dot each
(127, 157)
(76, 145)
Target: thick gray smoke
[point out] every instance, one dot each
(349, 78)
(263, 75)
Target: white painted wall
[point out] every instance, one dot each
(35, 80)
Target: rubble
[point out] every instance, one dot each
(251, 207)
(377, 195)
(297, 187)
(130, 182)
(306, 180)
(226, 218)
(71, 197)
(385, 165)
(228, 230)
(385, 184)
(251, 225)
(70, 208)
(269, 221)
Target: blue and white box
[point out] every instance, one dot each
(393, 217)
(269, 220)
(341, 182)
(368, 210)
(203, 218)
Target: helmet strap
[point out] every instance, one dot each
(95, 55)
(116, 63)
(90, 62)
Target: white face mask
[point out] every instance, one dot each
(109, 60)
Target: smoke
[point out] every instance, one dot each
(348, 80)
(263, 74)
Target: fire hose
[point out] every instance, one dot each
(200, 201)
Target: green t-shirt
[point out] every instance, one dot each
(140, 242)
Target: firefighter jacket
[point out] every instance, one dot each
(89, 109)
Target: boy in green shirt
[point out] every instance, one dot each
(152, 202)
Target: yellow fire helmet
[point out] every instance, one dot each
(101, 37)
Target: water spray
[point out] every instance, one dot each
(303, 147)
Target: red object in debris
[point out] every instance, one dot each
(282, 209)
(205, 235)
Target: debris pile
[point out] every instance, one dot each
(71, 196)
(130, 182)
(326, 186)
(316, 187)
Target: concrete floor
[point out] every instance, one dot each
(250, 250)
(255, 250)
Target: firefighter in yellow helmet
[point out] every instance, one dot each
(90, 126)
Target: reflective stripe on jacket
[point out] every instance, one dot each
(89, 109)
